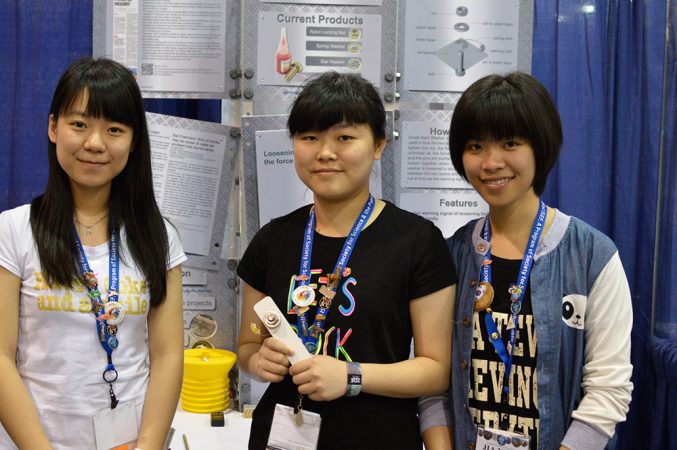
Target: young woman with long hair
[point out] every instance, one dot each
(90, 280)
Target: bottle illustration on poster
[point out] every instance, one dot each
(282, 56)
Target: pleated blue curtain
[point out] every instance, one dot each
(38, 40)
(603, 62)
(666, 273)
(664, 420)
(664, 345)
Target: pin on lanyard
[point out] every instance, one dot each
(516, 295)
(304, 295)
(109, 313)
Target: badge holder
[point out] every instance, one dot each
(279, 328)
(289, 433)
(491, 438)
(116, 427)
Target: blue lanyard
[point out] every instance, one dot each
(516, 294)
(106, 332)
(310, 336)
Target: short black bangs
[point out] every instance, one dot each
(320, 116)
(497, 116)
(335, 98)
(110, 94)
(108, 103)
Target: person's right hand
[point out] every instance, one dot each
(272, 363)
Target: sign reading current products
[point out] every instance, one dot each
(295, 46)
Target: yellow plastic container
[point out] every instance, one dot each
(204, 407)
(205, 384)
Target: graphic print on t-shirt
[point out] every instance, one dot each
(487, 369)
(332, 340)
(133, 295)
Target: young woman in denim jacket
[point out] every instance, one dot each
(560, 315)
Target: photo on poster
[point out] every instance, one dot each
(200, 320)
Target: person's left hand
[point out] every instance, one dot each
(321, 378)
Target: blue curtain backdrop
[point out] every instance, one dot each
(666, 311)
(38, 40)
(603, 62)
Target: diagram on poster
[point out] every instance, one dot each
(280, 190)
(451, 44)
(448, 210)
(293, 46)
(425, 157)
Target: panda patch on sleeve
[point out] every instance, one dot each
(573, 310)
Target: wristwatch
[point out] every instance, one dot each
(354, 379)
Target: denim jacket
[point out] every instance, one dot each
(583, 368)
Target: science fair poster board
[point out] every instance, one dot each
(177, 49)
(192, 165)
(448, 210)
(328, 2)
(285, 44)
(426, 182)
(293, 46)
(446, 45)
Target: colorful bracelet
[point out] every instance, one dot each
(354, 379)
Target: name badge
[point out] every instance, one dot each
(116, 428)
(291, 432)
(492, 439)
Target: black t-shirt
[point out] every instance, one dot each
(399, 257)
(487, 369)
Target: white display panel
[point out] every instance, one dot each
(451, 44)
(176, 49)
(328, 2)
(182, 45)
(317, 42)
(425, 157)
(187, 165)
(448, 210)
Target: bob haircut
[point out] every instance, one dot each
(333, 98)
(113, 94)
(502, 107)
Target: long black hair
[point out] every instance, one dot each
(112, 93)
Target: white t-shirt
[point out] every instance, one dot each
(59, 355)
